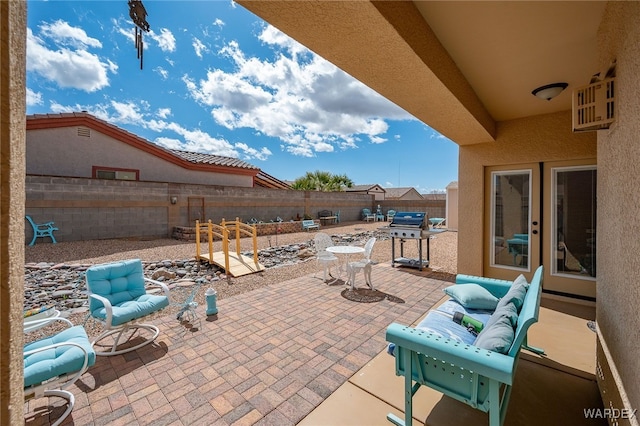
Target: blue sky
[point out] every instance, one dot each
(219, 80)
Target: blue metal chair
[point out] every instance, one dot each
(54, 363)
(41, 230)
(118, 298)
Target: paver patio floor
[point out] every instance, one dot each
(269, 357)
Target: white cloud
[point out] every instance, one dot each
(218, 22)
(272, 35)
(199, 141)
(163, 72)
(33, 98)
(194, 140)
(165, 40)
(170, 143)
(199, 47)
(164, 112)
(252, 153)
(64, 34)
(127, 112)
(68, 68)
(298, 97)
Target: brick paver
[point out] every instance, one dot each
(270, 356)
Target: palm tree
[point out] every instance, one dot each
(322, 181)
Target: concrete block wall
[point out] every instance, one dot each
(94, 209)
(434, 208)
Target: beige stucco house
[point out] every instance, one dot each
(376, 190)
(468, 70)
(79, 144)
(408, 193)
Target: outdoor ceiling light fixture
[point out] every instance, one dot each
(549, 91)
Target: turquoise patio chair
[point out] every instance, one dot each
(118, 299)
(54, 363)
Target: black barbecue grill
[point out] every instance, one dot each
(410, 226)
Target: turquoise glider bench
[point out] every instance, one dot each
(446, 356)
(309, 224)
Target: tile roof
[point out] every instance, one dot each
(219, 160)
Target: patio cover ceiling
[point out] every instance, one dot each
(458, 66)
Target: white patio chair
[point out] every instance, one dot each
(321, 242)
(363, 265)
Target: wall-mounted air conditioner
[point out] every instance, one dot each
(594, 106)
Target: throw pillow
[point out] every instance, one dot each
(516, 293)
(498, 333)
(472, 296)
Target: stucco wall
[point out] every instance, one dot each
(618, 289)
(452, 207)
(532, 139)
(13, 17)
(62, 152)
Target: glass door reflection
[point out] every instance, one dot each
(511, 218)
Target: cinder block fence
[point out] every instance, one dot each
(94, 209)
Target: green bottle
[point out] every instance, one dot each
(467, 322)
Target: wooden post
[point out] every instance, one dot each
(255, 244)
(197, 240)
(210, 234)
(238, 236)
(225, 248)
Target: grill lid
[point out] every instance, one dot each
(409, 220)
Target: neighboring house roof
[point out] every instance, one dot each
(261, 179)
(365, 188)
(265, 180)
(398, 193)
(218, 160)
(435, 196)
(194, 161)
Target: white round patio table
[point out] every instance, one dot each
(39, 320)
(345, 252)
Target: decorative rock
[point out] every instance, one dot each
(63, 284)
(61, 294)
(163, 273)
